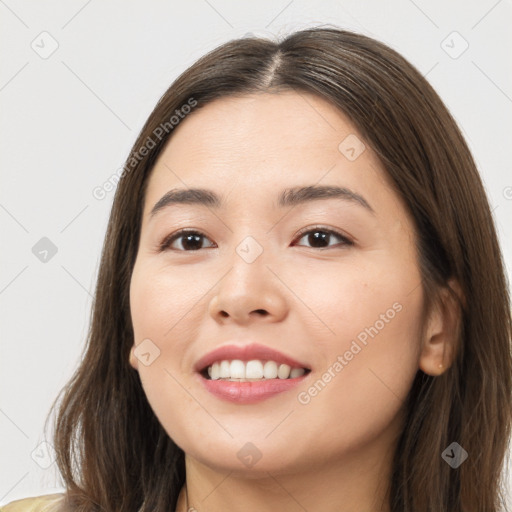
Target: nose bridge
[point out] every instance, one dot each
(249, 274)
(249, 286)
(252, 249)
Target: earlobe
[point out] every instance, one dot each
(441, 334)
(133, 360)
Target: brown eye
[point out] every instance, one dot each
(189, 241)
(320, 238)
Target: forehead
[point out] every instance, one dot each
(263, 142)
(275, 123)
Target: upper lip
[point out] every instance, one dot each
(246, 353)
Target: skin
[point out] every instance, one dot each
(334, 452)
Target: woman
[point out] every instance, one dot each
(301, 303)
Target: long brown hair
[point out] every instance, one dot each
(112, 451)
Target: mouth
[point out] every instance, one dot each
(255, 370)
(249, 373)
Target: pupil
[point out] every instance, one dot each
(319, 236)
(192, 242)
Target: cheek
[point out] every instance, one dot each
(162, 304)
(371, 357)
(166, 309)
(156, 310)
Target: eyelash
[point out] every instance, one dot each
(168, 240)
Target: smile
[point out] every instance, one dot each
(250, 371)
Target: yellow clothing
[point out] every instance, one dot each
(46, 503)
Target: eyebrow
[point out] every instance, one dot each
(288, 197)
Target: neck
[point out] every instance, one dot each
(357, 483)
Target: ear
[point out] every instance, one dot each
(441, 333)
(134, 362)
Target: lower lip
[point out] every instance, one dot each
(249, 392)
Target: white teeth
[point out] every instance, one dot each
(224, 371)
(283, 372)
(270, 370)
(215, 371)
(237, 369)
(252, 370)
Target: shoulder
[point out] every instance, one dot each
(45, 503)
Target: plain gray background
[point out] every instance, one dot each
(70, 117)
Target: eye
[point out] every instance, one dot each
(320, 237)
(190, 241)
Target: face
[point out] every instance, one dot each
(327, 279)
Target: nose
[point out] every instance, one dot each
(249, 292)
